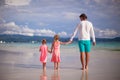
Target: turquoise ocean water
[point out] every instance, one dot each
(114, 46)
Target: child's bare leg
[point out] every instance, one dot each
(87, 59)
(44, 66)
(55, 65)
(82, 60)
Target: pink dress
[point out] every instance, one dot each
(43, 55)
(56, 52)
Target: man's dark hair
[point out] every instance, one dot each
(83, 16)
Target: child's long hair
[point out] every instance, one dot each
(56, 37)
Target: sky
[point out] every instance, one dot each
(50, 17)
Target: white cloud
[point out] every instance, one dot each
(27, 31)
(106, 33)
(62, 34)
(9, 28)
(17, 2)
(12, 28)
(44, 32)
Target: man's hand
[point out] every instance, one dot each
(94, 43)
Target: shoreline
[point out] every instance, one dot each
(18, 63)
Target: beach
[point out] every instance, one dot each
(21, 62)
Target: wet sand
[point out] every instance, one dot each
(23, 64)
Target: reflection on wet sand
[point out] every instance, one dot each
(55, 76)
(43, 76)
(84, 75)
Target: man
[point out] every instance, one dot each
(85, 32)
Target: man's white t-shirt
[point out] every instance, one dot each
(85, 31)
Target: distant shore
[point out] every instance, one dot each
(4, 38)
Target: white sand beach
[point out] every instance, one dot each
(22, 63)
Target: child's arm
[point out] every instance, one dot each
(69, 42)
(52, 47)
(40, 49)
(49, 50)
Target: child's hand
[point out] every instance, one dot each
(69, 42)
(50, 51)
(64, 43)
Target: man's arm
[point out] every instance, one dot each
(93, 35)
(75, 32)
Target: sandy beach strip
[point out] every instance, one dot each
(19, 65)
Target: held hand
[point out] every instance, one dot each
(64, 43)
(69, 42)
(50, 51)
(94, 43)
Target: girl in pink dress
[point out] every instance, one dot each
(43, 56)
(55, 49)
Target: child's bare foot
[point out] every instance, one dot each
(55, 68)
(86, 67)
(83, 68)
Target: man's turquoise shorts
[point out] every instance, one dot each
(84, 45)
